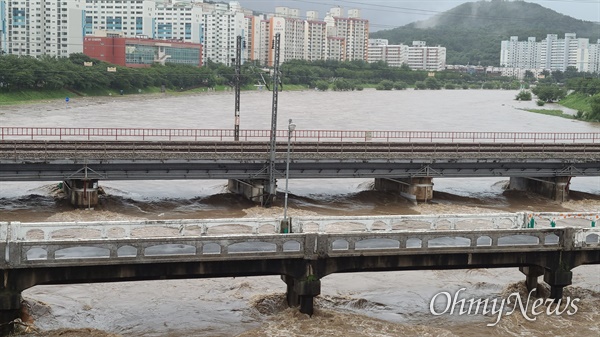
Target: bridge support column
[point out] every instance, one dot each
(10, 309)
(254, 190)
(557, 279)
(82, 193)
(420, 188)
(555, 188)
(531, 276)
(302, 293)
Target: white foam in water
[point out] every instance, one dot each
(143, 190)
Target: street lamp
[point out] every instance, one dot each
(285, 222)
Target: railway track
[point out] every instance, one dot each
(11, 148)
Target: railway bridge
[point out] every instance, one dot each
(401, 161)
(548, 244)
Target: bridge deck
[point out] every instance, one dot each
(109, 160)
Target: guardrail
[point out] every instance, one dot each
(46, 133)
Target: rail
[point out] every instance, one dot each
(47, 133)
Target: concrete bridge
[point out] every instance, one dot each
(548, 244)
(400, 161)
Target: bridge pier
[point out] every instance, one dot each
(420, 188)
(555, 188)
(82, 192)
(301, 292)
(557, 279)
(531, 276)
(253, 190)
(10, 309)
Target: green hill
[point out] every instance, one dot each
(472, 32)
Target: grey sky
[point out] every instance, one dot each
(386, 14)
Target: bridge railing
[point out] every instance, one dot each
(18, 231)
(408, 222)
(78, 252)
(48, 231)
(52, 133)
(562, 219)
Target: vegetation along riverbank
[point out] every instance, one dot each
(26, 79)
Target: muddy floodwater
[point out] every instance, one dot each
(362, 304)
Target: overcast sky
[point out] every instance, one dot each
(387, 14)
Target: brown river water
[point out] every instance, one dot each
(360, 304)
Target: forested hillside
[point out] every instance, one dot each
(472, 32)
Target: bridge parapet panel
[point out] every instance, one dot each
(93, 252)
(400, 243)
(563, 219)
(138, 229)
(407, 222)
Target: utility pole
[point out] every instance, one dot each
(238, 70)
(272, 182)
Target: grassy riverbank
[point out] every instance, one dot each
(32, 96)
(577, 101)
(557, 113)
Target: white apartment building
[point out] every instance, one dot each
(353, 29)
(36, 28)
(381, 50)
(3, 28)
(422, 57)
(418, 56)
(57, 28)
(177, 21)
(315, 38)
(594, 58)
(129, 18)
(551, 53)
(222, 26)
(522, 54)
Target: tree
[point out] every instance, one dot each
(385, 85)
(420, 85)
(322, 85)
(433, 83)
(342, 85)
(524, 95)
(595, 104)
(400, 85)
(549, 93)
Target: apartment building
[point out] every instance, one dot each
(594, 57)
(354, 31)
(419, 56)
(58, 28)
(176, 21)
(3, 29)
(36, 28)
(423, 57)
(525, 54)
(552, 53)
(222, 26)
(315, 38)
(381, 50)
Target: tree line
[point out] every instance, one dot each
(82, 73)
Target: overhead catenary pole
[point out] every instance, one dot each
(271, 165)
(238, 70)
